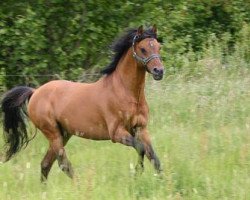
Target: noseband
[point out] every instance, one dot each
(142, 60)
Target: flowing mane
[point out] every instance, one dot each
(121, 46)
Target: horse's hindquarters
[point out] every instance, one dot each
(75, 106)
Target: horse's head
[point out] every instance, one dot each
(146, 51)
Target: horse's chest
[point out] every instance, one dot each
(134, 117)
(138, 120)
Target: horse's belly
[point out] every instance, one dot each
(86, 127)
(94, 132)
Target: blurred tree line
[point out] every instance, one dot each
(67, 38)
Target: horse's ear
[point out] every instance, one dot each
(140, 30)
(154, 29)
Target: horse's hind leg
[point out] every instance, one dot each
(56, 151)
(64, 163)
(47, 163)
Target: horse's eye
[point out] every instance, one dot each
(143, 51)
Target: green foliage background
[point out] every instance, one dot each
(199, 113)
(66, 38)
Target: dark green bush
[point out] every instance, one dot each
(42, 40)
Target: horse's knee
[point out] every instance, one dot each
(123, 139)
(121, 135)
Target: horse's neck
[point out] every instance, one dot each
(131, 76)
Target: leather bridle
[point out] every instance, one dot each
(142, 60)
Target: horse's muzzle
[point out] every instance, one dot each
(157, 73)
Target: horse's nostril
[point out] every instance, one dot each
(158, 71)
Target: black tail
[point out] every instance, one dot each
(15, 133)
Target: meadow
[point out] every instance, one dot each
(200, 128)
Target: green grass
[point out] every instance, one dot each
(200, 128)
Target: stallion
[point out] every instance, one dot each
(113, 108)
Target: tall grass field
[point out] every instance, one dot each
(200, 128)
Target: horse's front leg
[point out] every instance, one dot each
(124, 137)
(143, 137)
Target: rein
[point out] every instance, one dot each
(142, 60)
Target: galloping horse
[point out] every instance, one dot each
(113, 108)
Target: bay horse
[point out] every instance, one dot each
(113, 108)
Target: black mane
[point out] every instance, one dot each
(122, 44)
